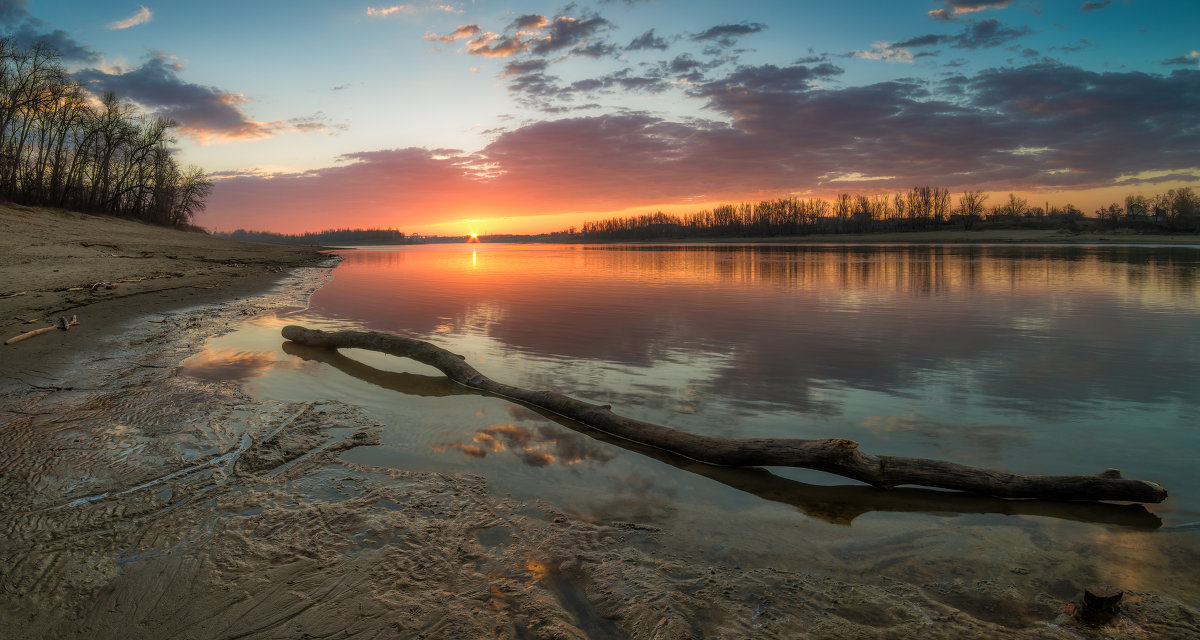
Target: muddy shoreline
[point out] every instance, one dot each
(108, 271)
(136, 502)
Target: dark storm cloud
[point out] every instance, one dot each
(647, 41)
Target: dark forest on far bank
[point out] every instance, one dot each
(919, 209)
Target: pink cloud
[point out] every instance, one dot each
(781, 134)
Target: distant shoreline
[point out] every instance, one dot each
(939, 236)
(956, 236)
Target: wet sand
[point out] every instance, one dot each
(136, 502)
(108, 270)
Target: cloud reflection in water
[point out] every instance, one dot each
(536, 448)
(216, 364)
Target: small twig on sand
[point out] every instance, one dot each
(62, 324)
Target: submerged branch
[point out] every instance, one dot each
(833, 455)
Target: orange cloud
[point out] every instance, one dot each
(502, 47)
(463, 31)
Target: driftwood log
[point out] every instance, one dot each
(63, 324)
(833, 455)
(836, 504)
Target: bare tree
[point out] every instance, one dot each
(1015, 207)
(57, 149)
(970, 208)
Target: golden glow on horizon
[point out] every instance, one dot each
(484, 224)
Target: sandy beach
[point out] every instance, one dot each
(137, 502)
(108, 270)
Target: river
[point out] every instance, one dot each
(1036, 359)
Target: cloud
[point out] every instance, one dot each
(524, 67)
(1095, 6)
(565, 32)
(29, 35)
(976, 34)
(1079, 45)
(379, 12)
(767, 79)
(13, 11)
(142, 16)
(462, 32)
(206, 114)
(539, 36)
(27, 31)
(491, 45)
(773, 130)
(955, 8)
(529, 22)
(540, 448)
(1190, 59)
(647, 41)
(409, 9)
(987, 33)
(727, 34)
(886, 52)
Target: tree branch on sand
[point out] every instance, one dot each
(833, 455)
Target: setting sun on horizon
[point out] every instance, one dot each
(547, 116)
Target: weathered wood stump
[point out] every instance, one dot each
(833, 455)
(1100, 603)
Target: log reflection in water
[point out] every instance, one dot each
(835, 504)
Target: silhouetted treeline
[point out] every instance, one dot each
(919, 209)
(1175, 210)
(327, 237)
(62, 147)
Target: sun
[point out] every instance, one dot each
(474, 237)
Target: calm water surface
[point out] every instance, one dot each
(1035, 359)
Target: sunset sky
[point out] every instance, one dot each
(492, 116)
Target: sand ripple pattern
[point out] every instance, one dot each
(137, 503)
